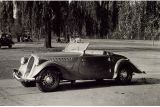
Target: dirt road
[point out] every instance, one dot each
(144, 90)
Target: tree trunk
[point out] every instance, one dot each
(47, 43)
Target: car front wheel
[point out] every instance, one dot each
(124, 76)
(48, 80)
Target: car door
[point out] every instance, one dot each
(94, 67)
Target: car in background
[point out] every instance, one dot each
(61, 40)
(6, 40)
(75, 62)
(26, 38)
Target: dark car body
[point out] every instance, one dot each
(74, 63)
(6, 40)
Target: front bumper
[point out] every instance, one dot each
(18, 76)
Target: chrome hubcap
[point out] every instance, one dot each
(49, 79)
(124, 74)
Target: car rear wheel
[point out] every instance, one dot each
(28, 84)
(48, 80)
(124, 76)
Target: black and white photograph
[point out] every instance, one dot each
(79, 53)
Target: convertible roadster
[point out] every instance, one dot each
(75, 62)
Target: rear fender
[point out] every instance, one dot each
(128, 63)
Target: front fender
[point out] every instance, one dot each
(37, 69)
(127, 63)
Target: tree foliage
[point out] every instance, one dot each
(88, 19)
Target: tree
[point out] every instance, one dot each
(115, 11)
(37, 21)
(93, 19)
(6, 17)
(47, 16)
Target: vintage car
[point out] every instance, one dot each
(6, 40)
(61, 40)
(26, 38)
(75, 62)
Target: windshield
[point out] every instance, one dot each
(76, 47)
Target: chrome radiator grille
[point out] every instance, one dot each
(30, 64)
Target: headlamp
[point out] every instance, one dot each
(37, 61)
(24, 60)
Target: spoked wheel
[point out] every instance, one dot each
(124, 76)
(48, 80)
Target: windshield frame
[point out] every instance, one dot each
(76, 47)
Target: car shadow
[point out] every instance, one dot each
(106, 83)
